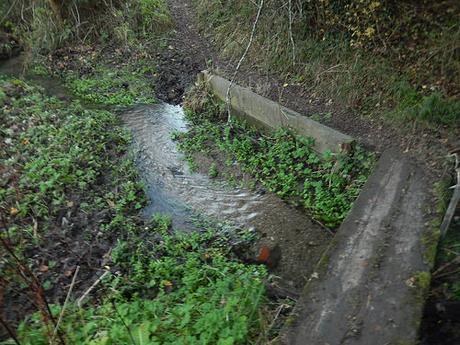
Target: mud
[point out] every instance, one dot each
(173, 189)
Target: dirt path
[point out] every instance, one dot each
(186, 55)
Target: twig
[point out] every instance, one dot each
(443, 267)
(290, 31)
(80, 300)
(453, 201)
(9, 331)
(448, 274)
(8, 12)
(34, 286)
(65, 304)
(251, 38)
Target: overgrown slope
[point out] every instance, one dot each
(393, 60)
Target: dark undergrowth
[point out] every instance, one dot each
(69, 203)
(285, 163)
(396, 61)
(441, 323)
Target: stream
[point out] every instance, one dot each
(176, 191)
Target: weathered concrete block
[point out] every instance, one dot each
(252, 106)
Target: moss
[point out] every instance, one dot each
(421, 282)
(442, 194)
(430, 240)
(290, 320)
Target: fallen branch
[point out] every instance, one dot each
(65, 304)
(453, 201)
(455, 261)
(98, 280)
(251, 38)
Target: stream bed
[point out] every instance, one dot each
(173, 189)
(184, 195)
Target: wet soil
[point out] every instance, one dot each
(290, 240)
(186, 55)
(9, 45)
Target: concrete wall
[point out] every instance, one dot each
(273, 115)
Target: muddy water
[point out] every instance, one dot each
(173, 189)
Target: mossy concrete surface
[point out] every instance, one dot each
(255, 108)
(370, 292)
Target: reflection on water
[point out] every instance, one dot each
(173, 189)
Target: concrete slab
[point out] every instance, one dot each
(369, 288)
(252, 106)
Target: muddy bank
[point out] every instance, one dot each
(175, 190)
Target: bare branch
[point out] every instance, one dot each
(251, 38)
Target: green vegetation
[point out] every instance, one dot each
(44, 26)
(177, 289)
(124, 86)
(381, 58)
(56, 152)
(67, 168)
(155, 15)
(283, 162)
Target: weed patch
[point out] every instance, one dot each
(283, 162)
(105, 77)
(171, 288)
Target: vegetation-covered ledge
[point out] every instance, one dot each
(285, 163)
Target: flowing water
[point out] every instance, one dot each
(176, 191)
(173, 189)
